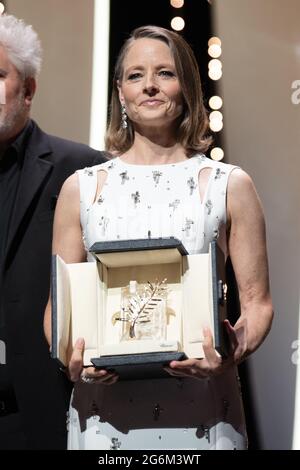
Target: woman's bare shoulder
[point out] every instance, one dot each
(70, 188)
(242, 197)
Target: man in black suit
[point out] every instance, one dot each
(34, 393)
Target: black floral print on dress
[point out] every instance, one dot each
(209, 206)
(124, 177)
(174, 204)
(187, 226)
(216, 233)
(156, 176)
(103, 224)
(136, 197)
(111, 166)
(219, 173)
(201, 159)
(88, 172)
(191, 184)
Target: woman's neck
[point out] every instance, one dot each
(154, 149)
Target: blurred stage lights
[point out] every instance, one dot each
(177, 3)
(214, 64)
(215, 51)
(216, 121)
(215, 74)
(2, 8)
(215, 40)
(215, 102)
(217, 154)
(177, 23)
(216, 115)
(216, 125)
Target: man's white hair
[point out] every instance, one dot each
(21, 44)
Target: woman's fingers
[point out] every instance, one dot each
(76, 361)
(104, 377)
(89, 375)
(189, 368)
(237, 339)
(199, 368)
(110, 379)
(181, 364)
(231, 335)
(175, 373)
(240, 331)
(213, 359)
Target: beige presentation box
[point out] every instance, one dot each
(86, 299)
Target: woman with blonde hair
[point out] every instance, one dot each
(160, 183)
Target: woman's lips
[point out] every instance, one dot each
(151, 103)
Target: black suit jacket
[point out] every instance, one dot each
(41, 389)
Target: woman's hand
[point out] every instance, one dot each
(90, 375)
(212, 363)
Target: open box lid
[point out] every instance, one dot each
(119, 253)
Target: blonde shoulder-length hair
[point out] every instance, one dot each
(193, 125)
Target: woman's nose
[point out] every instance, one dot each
(151, 86)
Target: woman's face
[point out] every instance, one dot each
(150, 88)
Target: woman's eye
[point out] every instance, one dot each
(134, 76)
(166, 73)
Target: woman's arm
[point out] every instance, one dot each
(247, 249)
(68, 243)
(67, 235)
(248, 252)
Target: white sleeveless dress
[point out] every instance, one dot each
(141, 201)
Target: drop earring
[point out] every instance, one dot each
(124, 117)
